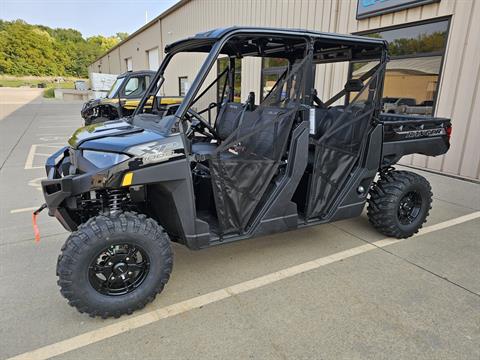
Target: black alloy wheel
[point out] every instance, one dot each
(118, 269)
(409, 207)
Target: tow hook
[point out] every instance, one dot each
(34, 222)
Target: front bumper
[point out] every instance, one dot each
(61, 191)
(57, 189)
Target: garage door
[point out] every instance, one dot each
(153, 59)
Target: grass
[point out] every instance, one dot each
(11, 83)
(49, 93)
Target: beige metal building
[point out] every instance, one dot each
(435, 50)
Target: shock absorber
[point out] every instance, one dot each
(115, 199)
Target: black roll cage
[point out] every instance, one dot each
(201, 43)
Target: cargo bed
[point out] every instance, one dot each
(413, 134)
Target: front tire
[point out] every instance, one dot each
(399, 203)
(114, 264)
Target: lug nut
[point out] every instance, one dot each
(127, 258)
(129, 273)
(110, 264)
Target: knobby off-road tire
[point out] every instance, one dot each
(91, 247)
(399, 203)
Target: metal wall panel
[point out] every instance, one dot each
(458, 98)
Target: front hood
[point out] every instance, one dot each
(112, 136)
(90, 104)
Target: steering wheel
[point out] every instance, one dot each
(198, 123)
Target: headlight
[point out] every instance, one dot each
(104, 159)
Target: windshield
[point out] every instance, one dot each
(116, 85)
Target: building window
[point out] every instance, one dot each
(129, 64)
(272, 69)
(182, 85)
(412, 75)
(222, 64)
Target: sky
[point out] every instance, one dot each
(90, 17)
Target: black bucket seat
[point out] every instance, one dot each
(226, 124)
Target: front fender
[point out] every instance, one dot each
(172, 200)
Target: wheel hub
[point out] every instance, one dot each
(119, 269)
(409, 207)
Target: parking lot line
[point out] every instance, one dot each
(30, 156)
(33, 152)
(153, 316)
(16, 211)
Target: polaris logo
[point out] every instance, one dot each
(422, 133)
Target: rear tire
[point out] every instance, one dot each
(399, 203)
(114, 264)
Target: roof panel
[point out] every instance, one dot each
(216, 34)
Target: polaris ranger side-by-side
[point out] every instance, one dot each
(203, 173)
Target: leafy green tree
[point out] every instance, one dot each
(39, 50)
(422, 44)
(122, 35)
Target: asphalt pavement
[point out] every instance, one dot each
(317, 293)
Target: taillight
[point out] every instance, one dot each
(448, 129)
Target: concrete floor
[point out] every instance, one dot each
(418, 298)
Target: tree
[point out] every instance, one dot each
(39, 50)
(27, 50)
(122, 35)
(421, 44)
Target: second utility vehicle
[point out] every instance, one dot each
(208, 172)
(122, 99)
